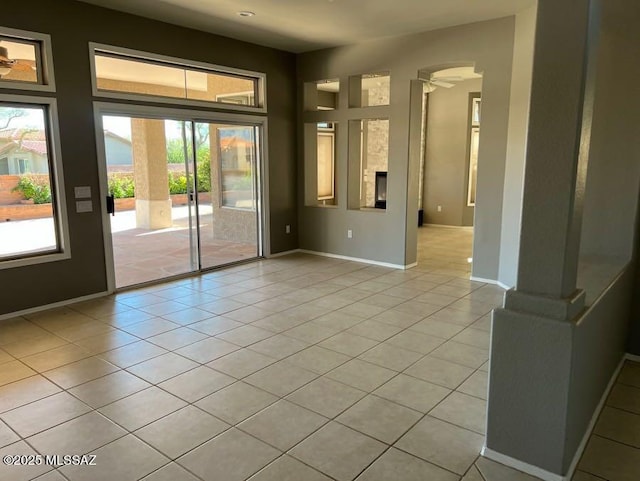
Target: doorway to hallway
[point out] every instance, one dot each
(183, 195)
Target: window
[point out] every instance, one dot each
(237, 160)
(120, 71)
(32, 200)
(25, 60)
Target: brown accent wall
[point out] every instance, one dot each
(72, 25)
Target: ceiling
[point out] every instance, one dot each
(304, 25)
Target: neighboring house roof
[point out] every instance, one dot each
(25, 134)
(227, 143)
(108, 133)
(36, 146)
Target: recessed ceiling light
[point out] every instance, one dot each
(246, 13)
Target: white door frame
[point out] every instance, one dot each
(186, 114)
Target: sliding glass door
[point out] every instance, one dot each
(184, 195)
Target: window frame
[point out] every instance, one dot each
(153, 58)
(46, 78)
(56, 175)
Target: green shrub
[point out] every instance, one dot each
(34, 188)
(177, 183)
(121, 186)
(204, 176)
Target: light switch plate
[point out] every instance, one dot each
(84, 206)
(82, 192)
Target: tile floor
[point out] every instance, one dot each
(294, 368)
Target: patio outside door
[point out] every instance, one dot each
(176, 212)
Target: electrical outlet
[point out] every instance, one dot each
(349, 234)
(439, 208)
(287, 229)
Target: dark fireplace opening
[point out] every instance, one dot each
(381, 190)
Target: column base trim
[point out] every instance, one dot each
(548, 475)
(490, 281)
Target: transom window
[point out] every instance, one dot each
(25, 60)
(121, 72)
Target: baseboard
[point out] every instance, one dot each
(521, 465)
(490, 281)
(53, 305)
(358, 259)
(547, 475)
(632, 357)
(281, 254)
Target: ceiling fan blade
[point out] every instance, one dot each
(448, 78)
(440, 83)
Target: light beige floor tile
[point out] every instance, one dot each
(434, 327)
(283, 424)
(326, 396)
(222, 306)
(84, 330)
(14, 371)
(318, 359)
(215, 325)
(337, 320)
(473, 337)
(443, 444)
(400, 319)
(454, 316)
(171, 472)
(348, 344)
(7, 436)
(462, 410)
(241, 363)
(31, 346)
(476, 385)
(461, 354)
(245, 335)
(381, 419)
(498, 472)
(149, 328)
(630, 374)
(395, 464)
(611, 460)
(415, 341)
(338, 451)
(361, 375)
(81, 435)
(207, 350)
(163, 308)
(108, 389)
(20, 473)
(57, 357)
(125, 318)
(25, 391)
(80, 372)
(279, 347)
(618, 425)
(50, 476)
(131, 354)
(177, 338)
(5, 357)
(232, 456)
(413, 393)
(236, 402)
(310, 332)
(196, 383)
(187, 316)
(473, 475)
(439, 371)
(142, 408)
(162, 367)
(44, 414)
(106, 342)
(362, 309)
(391, 357)
(286, 468)
(378, 331)
(181, 431)
(247, 314)
(624, 397)
(127, 459)
(582, 476)
(280, 378)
